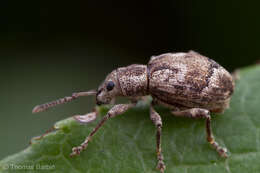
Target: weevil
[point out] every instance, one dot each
(189, 84)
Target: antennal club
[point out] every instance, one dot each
(43, 107)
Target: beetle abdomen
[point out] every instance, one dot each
(189, 79)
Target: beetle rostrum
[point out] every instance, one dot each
(189, 84)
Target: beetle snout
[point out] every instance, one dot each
(101, 97)
(98, 102)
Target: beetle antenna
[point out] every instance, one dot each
(43, 107)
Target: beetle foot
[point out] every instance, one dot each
(221, 150)
(77, 150)
(161, 166)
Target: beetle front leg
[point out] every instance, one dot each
(114, 111)
(87, 118)
(156, 119)
(203, 113)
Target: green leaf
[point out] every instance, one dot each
(127, 143)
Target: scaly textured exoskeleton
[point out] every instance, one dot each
(189, 84)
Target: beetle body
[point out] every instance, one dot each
(190, 84)
(176, 80)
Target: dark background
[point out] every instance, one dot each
(50, 49)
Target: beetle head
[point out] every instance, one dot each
(109, 89)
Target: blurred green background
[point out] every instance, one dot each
(50, 49)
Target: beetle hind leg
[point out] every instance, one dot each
(157, 121)
(203, 113)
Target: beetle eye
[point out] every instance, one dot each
(110, 85)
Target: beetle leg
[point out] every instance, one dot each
(41, 136)
(89, 117)
(203, 113)
(156, 119)
(114, 111)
